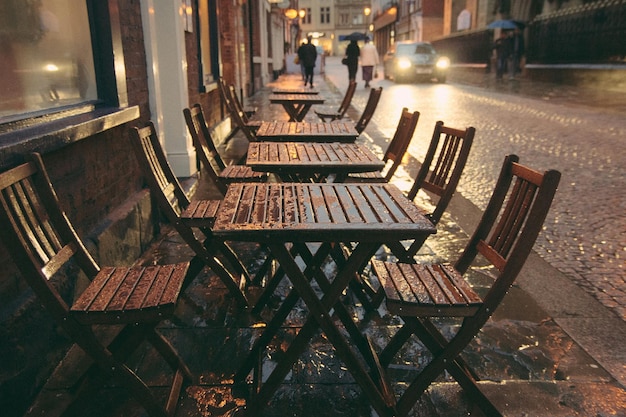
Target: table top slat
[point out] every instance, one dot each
(259, 210)
(333, 203)
(349, 206)
(319, 205)
(362, 204)
(245, 204)
(305, 203)
(390, 206)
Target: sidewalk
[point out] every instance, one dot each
(541, 355)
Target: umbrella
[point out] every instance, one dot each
(354, 36)
(519, 23)
(502, 24)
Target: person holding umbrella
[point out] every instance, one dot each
(352, 58)
(502, 46)
(517, 51)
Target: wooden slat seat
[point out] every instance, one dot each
(414, 289)
(242, 173)
(129, 295)
(199, 211)
(48, 251)
(376, 176)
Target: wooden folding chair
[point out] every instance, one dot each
(247, 126)
(418, 293)
(46, 248)
(191, 219)
(438, 175)
(238, 115)
(370, 108)
(220, 173)
(395, 151)
(248, 110)
(327, 115)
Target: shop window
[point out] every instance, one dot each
(46, 57)
(207, 38)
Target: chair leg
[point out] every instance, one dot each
(446, 356)
(225, 276)
(223, 248)
(118, 370)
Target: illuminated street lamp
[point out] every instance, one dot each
(367, 11)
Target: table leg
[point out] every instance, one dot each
(313, 264)
(292, 111)
(320, 317)
(302, 111)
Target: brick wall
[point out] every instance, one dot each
(94, 178)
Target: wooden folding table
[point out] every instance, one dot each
(306, 161)
(287, 217)
(340, 131)
(296, 105)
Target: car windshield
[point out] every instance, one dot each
(411, 48)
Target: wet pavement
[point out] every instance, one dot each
(549, 350)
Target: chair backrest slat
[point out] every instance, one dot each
(204, 145)
(150, 155)
(370, 108)
(400, 141)
(347, 100)
(38, 234)
(443, 165)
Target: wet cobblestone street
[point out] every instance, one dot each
(570, 129)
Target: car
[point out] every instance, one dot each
(413, 61)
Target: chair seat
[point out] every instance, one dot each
(254, 124)
(249, 111)
(426, 290)
(241, 173)
(130, 295)
(198, 211)
(375, 176)
(328, 116)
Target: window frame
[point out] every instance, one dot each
(208, 80)
(54, 129)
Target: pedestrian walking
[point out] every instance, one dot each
(502, 46)
(369, 61)
(352, 59)
(300, 63)
(307, 54)
(517, 51)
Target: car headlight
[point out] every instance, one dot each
(404, 63)
(443, 63)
